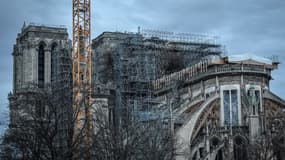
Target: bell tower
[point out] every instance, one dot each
(35, 52)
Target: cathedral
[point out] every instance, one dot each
(218, 107)
(224, 108)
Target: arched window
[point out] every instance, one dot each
(230, 105)
(219, 155)
(54, 49)
(41, 65)
(240, 149)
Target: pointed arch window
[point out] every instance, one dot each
(54, 49)
(240, 148)
(41, 65)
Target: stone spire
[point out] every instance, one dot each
(24, 25)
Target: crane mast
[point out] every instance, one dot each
(81, 59)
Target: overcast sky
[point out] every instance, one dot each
(244, 26)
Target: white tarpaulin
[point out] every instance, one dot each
(244, 57)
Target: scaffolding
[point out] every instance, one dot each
(180, 37)
(140, 60)
(133, 71)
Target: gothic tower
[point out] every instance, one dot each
(37, 53)
(42, 64)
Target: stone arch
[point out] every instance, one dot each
(52, 43)
(202, 117)
(42, 42)
(215, 141)
(199, 153)
(186, 133)
(240, 147)
(194, 120)
(217, 147)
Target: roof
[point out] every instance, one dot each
(268, 94)
(249, 58)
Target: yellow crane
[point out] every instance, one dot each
(82, 64)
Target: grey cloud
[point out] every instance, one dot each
(245, 26)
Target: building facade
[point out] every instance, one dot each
(217, 106)
(223, 107)
(126, 63)
(42, 77)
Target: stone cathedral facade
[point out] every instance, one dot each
(217, 106)
(223, 109)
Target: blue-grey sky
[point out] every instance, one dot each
(244, 26)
